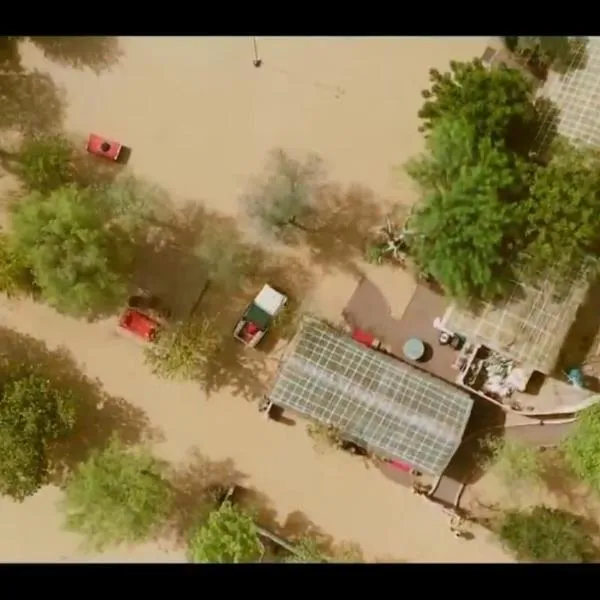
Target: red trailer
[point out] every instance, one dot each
(139, 324)
(100, 146)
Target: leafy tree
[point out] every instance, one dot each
(229, 535)
(118, 495)
(546, 534)
(46, 162)
(281, 201)
(497, 103)
(465, 228)
(34, 414)
(308, 550)
(557, 53)
(78, 258)
(182, 351)
(562, 213)
(15, 274)
(226, 261)
(517, 464)
(582, 447)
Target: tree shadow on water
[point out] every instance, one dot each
(97, 53)
(244, 371)
(346, 217)
(30, 102)
(298, 526)
(100, 415)
(10, 57)
(248, 371)
(569, 492)
(197, 483)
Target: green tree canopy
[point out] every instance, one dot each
(546, 534)
(582, 447)
(563, 213)
(308, 550)
(77, 257)
(34, 413)
(46, 162)
(182, 351)
(118, 495)
(229, 535)
(15, 274)
(464, 230)
(498, 103)
(281, 201)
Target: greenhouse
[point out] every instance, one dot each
(577, 96)
(530, 327)
(380, 403)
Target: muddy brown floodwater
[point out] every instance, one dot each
(200, 119)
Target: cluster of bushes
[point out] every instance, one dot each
(117, 494)
(501, 196)
(542, 533)
(68, 243)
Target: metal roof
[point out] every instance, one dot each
(577, 95)
(530, 327)
(270, 300)
(378, 402)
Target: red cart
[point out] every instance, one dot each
(139, 324)
(100, 146)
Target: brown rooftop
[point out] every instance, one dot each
(368, 309)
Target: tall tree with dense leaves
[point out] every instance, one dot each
(34, 414)
(498, 103)
(46, 162)
(464, 230)
(563, 222)
(582, 447)
(78, 259)
(546, 535)
(15, 274)
(118, 495)
(229, 535)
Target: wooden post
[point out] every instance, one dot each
(257, 61)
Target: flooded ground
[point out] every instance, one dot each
(200, 120)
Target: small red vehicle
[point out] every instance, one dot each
(144, 316)
(105, 148)
(139, 324)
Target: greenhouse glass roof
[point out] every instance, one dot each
(530, 326)
(577, 95)
(379, 402)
